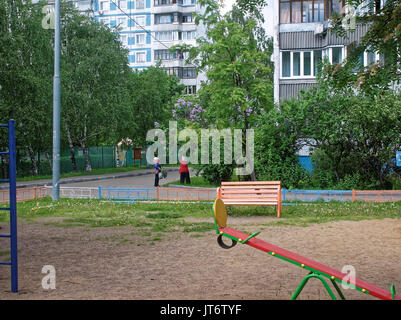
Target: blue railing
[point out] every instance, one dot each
(127, 194)
(316, 195)
(12, 205)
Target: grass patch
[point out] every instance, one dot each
(5, 253)
(195, 182)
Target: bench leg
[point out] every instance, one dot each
(315, 275)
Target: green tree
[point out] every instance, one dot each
(277, 140)
(25, 74)
(95, 75)
(383, 36)
(354, 133)
(152, 93)
(236, 60)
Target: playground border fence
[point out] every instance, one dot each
(197, 194)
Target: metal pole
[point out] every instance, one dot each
(13, 206)
(56, 102)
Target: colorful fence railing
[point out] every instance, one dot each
(198, 194)
(24, 194)
(376, 195)
(160, 193)
(341, 195)
(316, 195)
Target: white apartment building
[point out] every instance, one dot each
(148, 29)
(302, 38)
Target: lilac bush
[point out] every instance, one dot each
(187, 110)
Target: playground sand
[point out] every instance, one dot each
(117, 263)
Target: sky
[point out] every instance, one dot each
(268, 13)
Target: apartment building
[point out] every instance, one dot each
(302, 38)
(148, 29)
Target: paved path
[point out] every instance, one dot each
(130, 179)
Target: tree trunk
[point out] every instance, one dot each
(85, 150)
(49, 160)
(71, 146)
(117, 157)
(33, 161)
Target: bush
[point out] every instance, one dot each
(216, 173)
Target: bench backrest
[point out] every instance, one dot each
(251, 193)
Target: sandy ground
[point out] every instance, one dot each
(117, 263)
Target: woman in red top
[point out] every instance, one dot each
(184, 171)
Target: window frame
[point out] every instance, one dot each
(141, 2)
(326, 52)
(122, 22)
(142, 35)
(137, 53)
(137, 24)
(104, 6)
(327, 10)
(123, 6)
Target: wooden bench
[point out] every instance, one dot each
(251, 193)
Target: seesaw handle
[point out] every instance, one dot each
(392, 292)
(250, 237)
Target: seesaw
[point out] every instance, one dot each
(316, 270)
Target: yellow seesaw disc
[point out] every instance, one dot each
(220, 213)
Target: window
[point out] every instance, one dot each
(317, 60)
(187, 18)
(188, 73)
(104, 21)
(285, 11)
(164, 35)
(286, 66)
(337, 55)
(371, 58)
(190, 90)
(188, 35)
(296, 64)
(140, 57)
(140, 38)
(140, 20)
(122, 4)
(122, 22)
(164, 54)
(318, 11)
(306, 11)
(104, 5)
(164, 2)
(188, 2)
(336, 7)
(84, 5)
(182, 72)
(163, 19)
(307, 63)
(140, 4)
(296, 12)
(124, 39)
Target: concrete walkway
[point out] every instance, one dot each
(130, 179)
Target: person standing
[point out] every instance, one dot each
(158, 170)
(184, 171)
